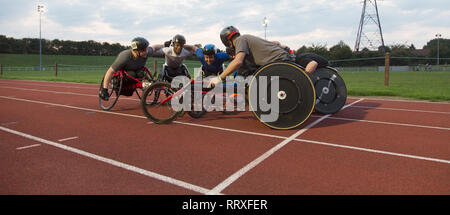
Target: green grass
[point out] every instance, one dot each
(432, 86)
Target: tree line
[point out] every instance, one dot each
(339, 55)
(401, 55)
(10, 45)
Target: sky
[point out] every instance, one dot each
(293, 23)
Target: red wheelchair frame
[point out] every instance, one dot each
(126, 88)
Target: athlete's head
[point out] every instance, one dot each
(178, 42)
(227, 34)
(209, 51)
(139, 45)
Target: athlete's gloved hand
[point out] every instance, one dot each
(167, 43)
(104, 94)
(214, 81)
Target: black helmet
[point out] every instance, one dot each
(139, 43)
(209, 49)
(179, 39)
(227, 33)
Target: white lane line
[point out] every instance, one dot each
(26, 147)
(247, 132)
(227, 182)
(69, 138)
(399, 109)
(66, 93)
(375, 151)
(399, 100)
(134, 99)
(73, 107)
(386, 123)
(52, 82)
(9, 123)
(112, 162)
(59, 86)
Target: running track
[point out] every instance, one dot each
(54, 139)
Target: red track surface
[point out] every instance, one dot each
(370, 147)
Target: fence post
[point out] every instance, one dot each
(56, 70)
(386, 69)
(154, 68)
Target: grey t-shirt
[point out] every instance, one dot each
(125, 61)
(172, 59)
(259, 51)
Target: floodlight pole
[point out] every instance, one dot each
(438, 36)
(40, 11)
(265, 21)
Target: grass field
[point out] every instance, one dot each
(432, 86)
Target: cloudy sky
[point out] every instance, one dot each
(294, 23)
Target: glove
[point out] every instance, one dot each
(167, 43)
(103, 94)
(214, 81)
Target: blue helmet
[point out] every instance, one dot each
(209, 49)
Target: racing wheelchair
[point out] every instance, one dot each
(293, 91)
(122, 84)
(284, 84)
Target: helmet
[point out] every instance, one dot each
(139, 43)
(179, 39)
(227, 33)
(209, 49)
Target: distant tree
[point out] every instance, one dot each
(444, 49)
(340, 51)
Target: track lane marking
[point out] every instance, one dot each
(387, 123)
(228, 181)
(398, 109)
(66, 139)
(111, 162)
(356, 106)
(26, 147)
(247, 132)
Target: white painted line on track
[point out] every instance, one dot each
(69, 138)
(54, 85)
(399, 109)
(398, 100)
(52, 82)
(386, 123)
(134, 99)
(227, 182)
(250, 132)
(375, 151)
(26, 147)
(65, 93)
(9, 123)
(74, 107)
(112, 162)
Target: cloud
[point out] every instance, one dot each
(295, 23)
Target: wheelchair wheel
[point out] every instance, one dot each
(195, 113)
(152, 106)
(114, 89)
(295, 95)
(331, 90)
(140, 91)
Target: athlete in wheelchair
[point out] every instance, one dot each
(287, 85)
(127, 74)
(175, 52)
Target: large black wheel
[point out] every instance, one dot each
(331, 90)
(295, 95)
(156, 105)
(195, 111)
(114, 88)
